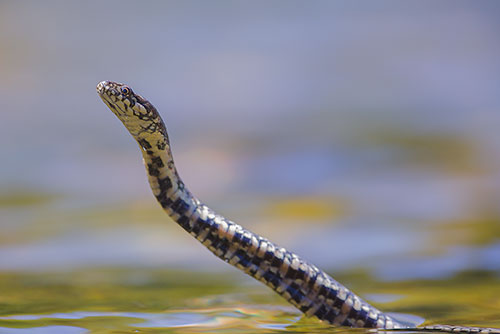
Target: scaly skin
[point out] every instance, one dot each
(302, 284)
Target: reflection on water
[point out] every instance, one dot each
(107, 301)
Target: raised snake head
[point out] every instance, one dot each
(138, 115)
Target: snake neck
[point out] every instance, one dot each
(164, 179)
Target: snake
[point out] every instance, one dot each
(301, 283)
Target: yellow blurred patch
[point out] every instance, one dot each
(306, 208)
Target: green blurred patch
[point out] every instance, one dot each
(450, 152)
(106, 290)
(479, 231)
(18, 198)
(32, 219)
(305, 208)
(133, 212)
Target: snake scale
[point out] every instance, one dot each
(301, 283)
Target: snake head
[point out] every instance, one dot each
(138, 115)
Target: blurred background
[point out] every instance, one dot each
(361, 135)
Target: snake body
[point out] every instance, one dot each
(301, 283)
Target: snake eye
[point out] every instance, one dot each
(125, 90)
